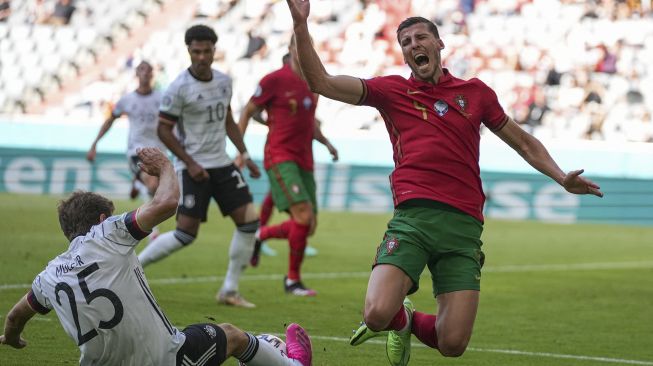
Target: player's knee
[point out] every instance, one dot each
(376, 319)
(249, 227)
(303, 214)
(237, 340)
(452, 347)
(184, 237)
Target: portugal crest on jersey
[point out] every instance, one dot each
(441, 107)
(461, 101)
(391, 245)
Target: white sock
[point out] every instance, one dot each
(266, 355)
(161, 247)
(241, 249)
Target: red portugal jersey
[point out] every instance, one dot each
(290, 106)
(435, 134)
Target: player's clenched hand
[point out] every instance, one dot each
(196, 172)
(17, 342)
(152, 161)
(299, 9)
(574, 183)
(254, 171)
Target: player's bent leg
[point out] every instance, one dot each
(455, 321)
(386, 290)
(168, 243)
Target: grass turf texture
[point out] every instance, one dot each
(537, 298)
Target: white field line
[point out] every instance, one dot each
(495, 350)
(510, 352)
(334, 275)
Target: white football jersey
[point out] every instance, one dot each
(199, 109)
(103, 300)
(143, 114)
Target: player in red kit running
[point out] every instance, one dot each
(288, 160)
(434, 121)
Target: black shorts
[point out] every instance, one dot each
(206, 344)
(133, 166)
(226, 185)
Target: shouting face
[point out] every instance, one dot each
(421, 50)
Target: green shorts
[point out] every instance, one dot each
(433, 234)
(290, 184)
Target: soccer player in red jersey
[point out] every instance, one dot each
(288, 159)
(434, 121)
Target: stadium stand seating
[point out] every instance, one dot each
(564, 69)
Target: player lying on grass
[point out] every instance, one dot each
(100, 294)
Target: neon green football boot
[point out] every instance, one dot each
(363, 333)
(397, 347)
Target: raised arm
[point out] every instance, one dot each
(15, 322)
(164, 203)
(534, 152)
(343, 88)
(90, 155)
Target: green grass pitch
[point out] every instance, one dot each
(551, 294)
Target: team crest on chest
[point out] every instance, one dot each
(441, 107)
(461, 101)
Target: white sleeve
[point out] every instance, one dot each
(171, 102)
(119, 108)
(122, 233)
(37, 299)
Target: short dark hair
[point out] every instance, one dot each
(81, 211)
(416, 20)
(200, 33)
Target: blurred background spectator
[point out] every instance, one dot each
(565, 69)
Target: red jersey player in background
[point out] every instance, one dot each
(434, 121)
(288, 160)
(267, 205)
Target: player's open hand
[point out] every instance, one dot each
(152, 161)
(17, 342)
(574, 183)
(254, 171)
(299, 9)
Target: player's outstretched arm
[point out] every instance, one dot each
(15, 322)
(106, 126)
(343, 88)
(164, 203)
(534, 152)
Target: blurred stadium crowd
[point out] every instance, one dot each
(565, 69)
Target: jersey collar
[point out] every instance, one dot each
(443, 80)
